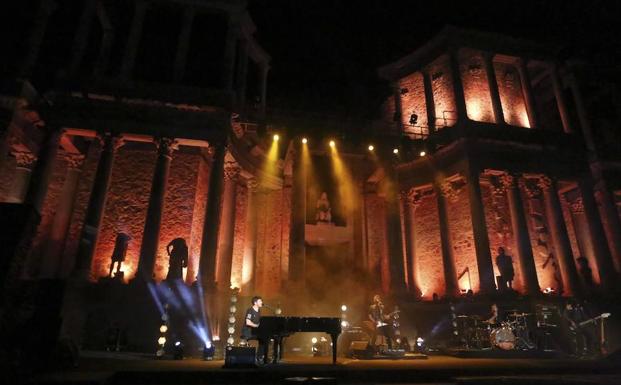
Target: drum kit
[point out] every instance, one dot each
(512, 334)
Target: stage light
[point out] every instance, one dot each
(371, 148)
(343, 307)
(163, 329)
(234, 299)
(276, 137)
(304, 140)
(231, 320)
(161, 340)
(231, 330)
(232, 309)
(178, 351)
(230, 341)
(209, 351)
(344, 324)
(332, 143)
(395, 150)
(423, 153)
(314, 340)
(215, 338)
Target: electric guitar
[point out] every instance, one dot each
(575, 326)
(381, 323)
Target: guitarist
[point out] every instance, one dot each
(380, 321)
(582, 338)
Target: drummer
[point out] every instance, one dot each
(494, 317)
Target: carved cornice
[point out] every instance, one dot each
(24, 159)
(531, 188)
(231, 170)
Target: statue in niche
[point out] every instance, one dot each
(118, 254)
(178, 258)
(323, 212)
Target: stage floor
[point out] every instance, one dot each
(127, 368)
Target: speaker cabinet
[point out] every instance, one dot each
(239, 357)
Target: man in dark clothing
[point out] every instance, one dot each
(582, 338)
(505, 267)
(251, 323)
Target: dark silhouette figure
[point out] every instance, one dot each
(505, 266)
(585, 272)
(178, 258)
(119, 252)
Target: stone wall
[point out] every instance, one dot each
(241, 214)
(428, 267)
(413, 102)
(476, 86)
(443, 96)
(377, 247)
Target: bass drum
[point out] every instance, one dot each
(503, 338)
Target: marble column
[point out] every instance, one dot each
(443, 190)
(43, 169)
(183, 44)
(411, 199)
(488, 60)
(242, 72)
(227, 225)
(81, 35)
(479, 231)
(230, 47)
(209, 240)
(96, 205)
(297, 241)
(25, 161)
(429, 101)
(560, 100)
(560, 237)
(250, 239)
(527, 92)
(46, 9)
(519, 225)
(597, 235)
(153, 221)
(133, 40)
(458, 88)
(396, 92)
(53, 254)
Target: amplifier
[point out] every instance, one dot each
(359, 349)
(239, 357)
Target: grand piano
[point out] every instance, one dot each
(277, 328)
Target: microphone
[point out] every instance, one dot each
(276, 311)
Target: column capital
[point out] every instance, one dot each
(166, 146)
(116, 141)
(412, 197)
(545, 183)
(576, 206)
(451, 189)
(252, 184)
(74, 161)
(508, 180)
(25, 159)
(231, 170)
(531, 188)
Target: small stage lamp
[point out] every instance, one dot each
(178, 351)
(209, 351)
(304, 140)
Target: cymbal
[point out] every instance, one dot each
(463, 316)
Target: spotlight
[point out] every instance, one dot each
(332, 143)
(163, 329)
(233, 299)
(371, 148)
(304, 140)
(420, 345)
(232, 309)
(215, 338)
(276, 137)
(314, 340)
(231, 320)
(344, 324)
(230, 341)
(161, 340)
(423, 153)
(209, 351)
(395, 150)
(178, 351)
(231, 330)
(343, 307)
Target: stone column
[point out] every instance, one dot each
(597, 235)
(520, 231)
(560, 237)
(183, 44)
(81, 36)
(412, 199)
(25, 161)
(227, 225)
(46, 9)
(53, 255)
(488, 60)
(209, 240)
(107, 39)
(560, 100)
(263, 71)
(429, 101)
(42, 171)
(458, 88)
(297, 241)
(228, 65)
(479, 231)
(443, 191)
(242, 72)
(133, 40)
(527, 92)
(96, 205)
(151, 232)
(396, 92)
(395, 245)
(250, 239)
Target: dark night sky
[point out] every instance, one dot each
(325, 53)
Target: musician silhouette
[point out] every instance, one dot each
(178, 258)
(118, 253)
(505, 267)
